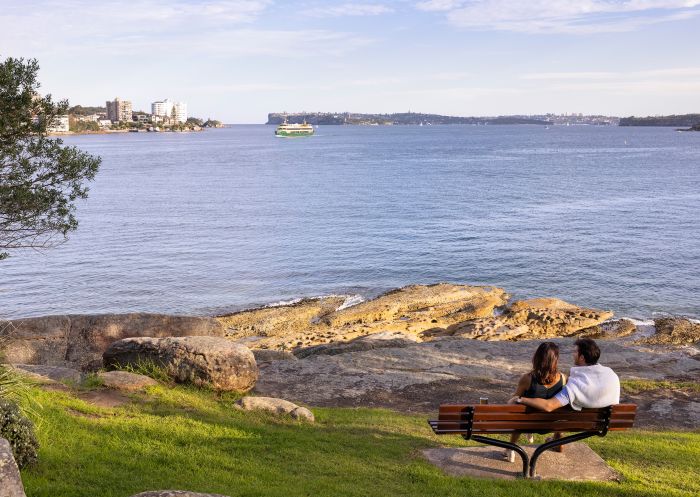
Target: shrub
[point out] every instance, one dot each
(19, 431)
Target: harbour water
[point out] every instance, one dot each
(210, 222)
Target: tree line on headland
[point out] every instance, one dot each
(415, 118)
(689, 120)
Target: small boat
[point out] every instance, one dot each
(286, 129)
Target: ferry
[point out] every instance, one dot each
(286, 129)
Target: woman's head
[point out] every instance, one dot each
(545, 362)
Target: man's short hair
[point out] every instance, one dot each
(589, 350)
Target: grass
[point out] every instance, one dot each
(639, 386)
(183, 438)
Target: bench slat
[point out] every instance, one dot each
(519, 408)
(535, 416)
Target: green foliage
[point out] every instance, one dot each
(40, 179)
(211, 123)
(19, 431)
(92, 381)
(80, 110)
(194, 121)
(147, 367)
(80, 126)
(164, 440)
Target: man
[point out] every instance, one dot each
(589, 385)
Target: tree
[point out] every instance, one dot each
(40, 179)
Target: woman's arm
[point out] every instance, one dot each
(523, 385)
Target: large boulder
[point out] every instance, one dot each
(10, 480)
(203, 361)
(78, 341)
(275, 406)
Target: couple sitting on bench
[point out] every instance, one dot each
(541, 405)
(545, 388)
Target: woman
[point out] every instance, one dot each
(543, 382)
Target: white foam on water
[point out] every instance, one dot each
(282, 303)
(351, 300)
(639, 322)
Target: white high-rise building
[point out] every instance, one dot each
(162, 108)
(180, 111)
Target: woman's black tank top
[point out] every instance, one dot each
(536, 390)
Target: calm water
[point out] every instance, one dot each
(224, 219)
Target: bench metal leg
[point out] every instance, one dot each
(553, 444)
(505, 445)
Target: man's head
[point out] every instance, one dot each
(586, 352)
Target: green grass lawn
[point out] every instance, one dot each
(186, 439)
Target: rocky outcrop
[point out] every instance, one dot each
(175, 493)
(409, 310)
(676, 331)
(78, 341)
(275, 406)
(10, 480)
(279, 320)
(534, 318)
(614, 328)
(125, 381)
(203, 361)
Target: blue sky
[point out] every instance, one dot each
(237, 60)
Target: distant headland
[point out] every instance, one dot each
(417, 118)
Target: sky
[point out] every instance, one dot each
(237, 60)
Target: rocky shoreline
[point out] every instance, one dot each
(408, 349)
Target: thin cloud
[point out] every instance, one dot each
(562, 16)
(348, 9)
(215, 28)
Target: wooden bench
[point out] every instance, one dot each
(476, 422)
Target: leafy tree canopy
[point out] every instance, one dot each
(40, 179)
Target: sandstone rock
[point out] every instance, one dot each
(10, 480)
(614, 328)
(279, 320)
(79, 340)
(677, 331)
(411, 310)
(36, 340)
(375, 341)
(175, 493)
(268, 355)
(534, 318)
(275, 406)
(203, 361)
(49, 374)
(125, 381)
(419, 307)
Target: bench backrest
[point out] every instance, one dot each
(507, 418)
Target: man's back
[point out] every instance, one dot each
(591, 386)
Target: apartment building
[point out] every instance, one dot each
(119, 110)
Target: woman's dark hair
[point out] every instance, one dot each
(545, 363)
(589, 350)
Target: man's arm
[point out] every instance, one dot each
(547, 405)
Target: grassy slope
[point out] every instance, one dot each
(186, 439)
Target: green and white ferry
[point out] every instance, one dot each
(286, 129)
